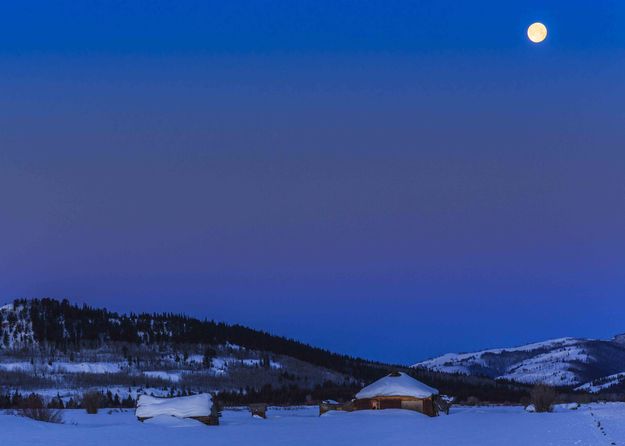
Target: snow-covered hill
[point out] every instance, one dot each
(558, 362)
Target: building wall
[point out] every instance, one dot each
(416, 405)
(424, 405)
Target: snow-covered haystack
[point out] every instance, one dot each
(198, 407)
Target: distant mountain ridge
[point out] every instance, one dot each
(566, 362)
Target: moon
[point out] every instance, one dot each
(537, 32)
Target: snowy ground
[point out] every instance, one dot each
(597, 424)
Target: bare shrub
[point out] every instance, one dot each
(91, 402)
(33, 407)
(443, 404)
(543, 397)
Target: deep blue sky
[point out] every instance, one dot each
(388, 179)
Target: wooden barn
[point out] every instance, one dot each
(397, 391)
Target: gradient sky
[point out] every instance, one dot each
(388, 179)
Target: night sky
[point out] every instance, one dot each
(389, 179)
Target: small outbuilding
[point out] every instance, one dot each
(397, 391)
(198, 407)
(258, 410)
(328, 405)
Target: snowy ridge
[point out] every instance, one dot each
(464, 363)
(557, 362)
(557, 367)
(455, 359)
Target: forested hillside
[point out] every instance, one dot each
(67, 327)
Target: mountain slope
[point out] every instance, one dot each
(557, 362)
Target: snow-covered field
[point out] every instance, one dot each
(596, 424)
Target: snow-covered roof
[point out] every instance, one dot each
(183, 407)
(397, 384)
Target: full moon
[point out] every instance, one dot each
(537, 32)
